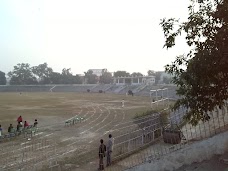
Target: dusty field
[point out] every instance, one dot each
(55, 142)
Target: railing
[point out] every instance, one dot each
(142, 140)
(149, 147)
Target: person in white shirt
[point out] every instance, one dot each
(109, 149)
(122, 103)
(0, 131)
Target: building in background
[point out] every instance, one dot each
(138, 80)
(98, 72)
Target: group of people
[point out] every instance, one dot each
(19, 125)
(103, 151)
(26, 124)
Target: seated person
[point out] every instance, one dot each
(26, 124)
(10, 129)
(19, 127)
(35, 123)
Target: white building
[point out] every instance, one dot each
(98, 72)
(138, 80)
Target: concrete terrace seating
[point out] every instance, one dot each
(102, 87)
(72, 88)
(112, 88)
(128, 87)
(25, 88)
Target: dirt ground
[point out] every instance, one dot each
(56, 144)
(216, 163)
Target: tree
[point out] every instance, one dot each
(91, 78)
(157, 77)
(156, 74)
(67, 76)
(22, 75)
(136, 74)
(202, 86)
(2, 78)
(151, 73)
(121, 74)
(77, 79)
(55, 78)
(166, 80)
(43, 72)
(106, 78)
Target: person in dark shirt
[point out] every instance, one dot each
(35, 123)
(0, 131)
(10, 128)
(102, 151)
(19, 127)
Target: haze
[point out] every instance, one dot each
(88, 34)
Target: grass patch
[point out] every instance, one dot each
(145, 113)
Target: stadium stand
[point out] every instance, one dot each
(140, 90)
(26, 88)
(72, 88)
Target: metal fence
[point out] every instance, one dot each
(167, 137)
(139, 141)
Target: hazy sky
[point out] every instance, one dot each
(88, 34)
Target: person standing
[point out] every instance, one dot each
(0, 131)
(102, 150)
(19, 119)
(122, 103)
(10, 129)
(109, 150)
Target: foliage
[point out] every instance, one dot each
(166, 80)
(163, 115)
(145, 113)
(151, 73)
(55, 78)
(136, 74)
(121, 74)
(106, 78)
(203, 84)
(91, 78)
(77, 79)
(157, 77)
(67, 76)
(43, 72)
(22, 75)
(2, 78)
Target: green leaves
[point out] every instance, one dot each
(2, 78)
(203, 82)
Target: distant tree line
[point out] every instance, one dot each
(24, 74)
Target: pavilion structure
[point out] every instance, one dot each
(137, 80)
